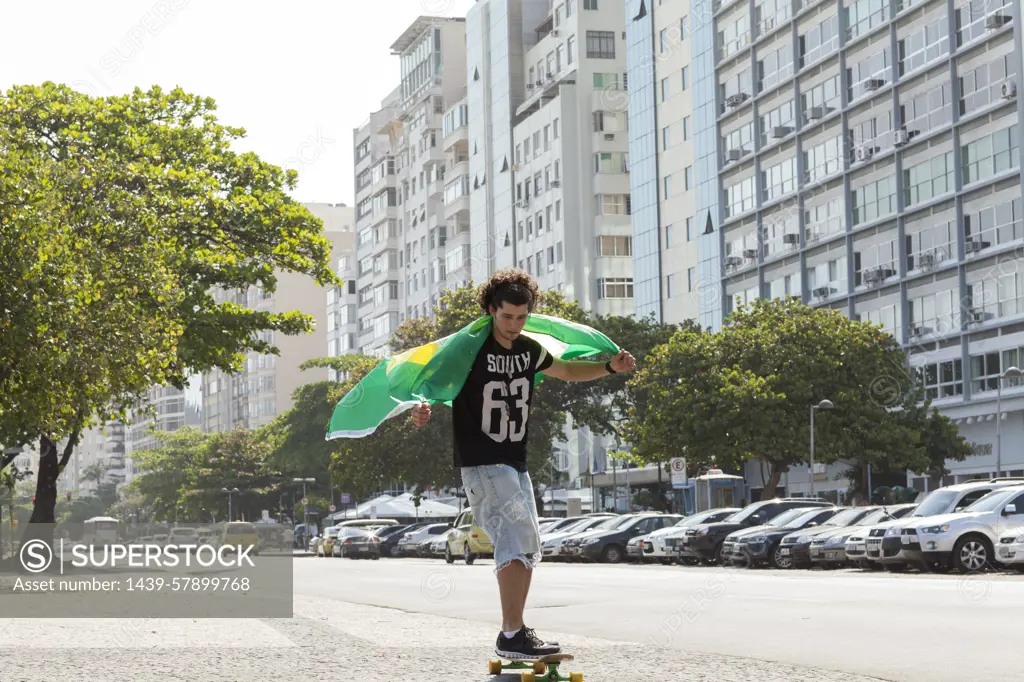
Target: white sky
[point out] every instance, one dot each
(298, 77)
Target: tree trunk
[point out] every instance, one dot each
(773, 481)
(864, 482)
(50, 469)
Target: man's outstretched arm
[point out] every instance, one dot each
(585, 370)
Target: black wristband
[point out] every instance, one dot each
(608, 366)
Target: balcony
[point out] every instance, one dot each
(457, 206)
(457, 139)
(611, 183)
(383, 183)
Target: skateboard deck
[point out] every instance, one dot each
(540, 669)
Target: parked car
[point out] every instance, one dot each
(965, 541)
(474, 544)
(795, 548)
(609, 546)
(363, 546)
(884, 541)
(409, 544)
(705, 540)
(668, 542)
(394, 535)
(552, 544)
(572, 546)
(760, 545)
(322, 545)
(855, 544)
(456, 545)
(344, 538)
(1011, 548)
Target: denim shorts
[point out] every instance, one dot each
(504, 507)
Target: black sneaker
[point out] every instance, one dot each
(531, 631)
(523, 644)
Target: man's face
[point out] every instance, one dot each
(509, 319)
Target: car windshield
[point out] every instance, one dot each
(611, 523)
(803, 519)
(746, 513)
(785, 517)
(581, 525)
(844, 518)
(992, 501)
(873, 518)
(936, 503)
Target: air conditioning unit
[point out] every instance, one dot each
(925, 261)
(815, 113)
(974, 246)
(734, 101)
(529, 86)
(609, 136)
(791, 239)
(555, 183)
(750, 253)
(996, 21)
(885, 273)
(823, 292)
(539, 83)
(874, 84)
(872, 276)
(1008, 90)
(900, 137)
(555, 33)
(733, 261)
(980, 316)
(864, 153)
(733, 154)
(779, 132)
(918, 330)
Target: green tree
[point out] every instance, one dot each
(121, 218)
(746, 392)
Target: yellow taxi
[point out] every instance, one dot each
(467, 540)
(240, 534)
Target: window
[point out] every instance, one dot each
(551, 259)
(691, 278)
(935, 313)
(869, 74)
(590, 4)
(670, 286)
(999, 224)
(928, 179)
(781, 121)
(941, 379)
(986, 369)
(739, 198)
(983, 85)
(971, 18)
(823, 160)
(689, 229)
(613, 204)
(606, 80)
(601, 44)
(615, 287)
(570, 48)
(991, 155)
(686, 128)
(874, 200)
(864, 15)
(670, 236)
(686, 78)
(924, 45)
(779, 180)
(819, 41)
(997, 296)
(928, 110)
(611, 162)
(667, 189)
(773, 68)
(666, 137)
(688, 177)
(614, 246)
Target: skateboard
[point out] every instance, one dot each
(542, 669)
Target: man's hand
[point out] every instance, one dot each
(623, 362)
(421, 414)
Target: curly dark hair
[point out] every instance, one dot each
(510, 285)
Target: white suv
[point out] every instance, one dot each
(884, 541)
(966, 540)
(1011, 548)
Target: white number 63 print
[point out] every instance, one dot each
(520, 388)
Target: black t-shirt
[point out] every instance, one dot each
(491, 414)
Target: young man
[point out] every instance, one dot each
(490, 418)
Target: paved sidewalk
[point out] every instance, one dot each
(329, 640)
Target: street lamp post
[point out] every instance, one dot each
(1010, 373)
(823, 405)
(305, 518)
(230, 492)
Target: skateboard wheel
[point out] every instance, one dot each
(529, 676)
(539, 668)
(494, 667)
(575, 677)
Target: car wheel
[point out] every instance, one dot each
(468, 556)
(612, 554)
(778, 560)
(448, 558)
(971, 553)
(395, 551)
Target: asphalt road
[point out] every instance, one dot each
(914, 628)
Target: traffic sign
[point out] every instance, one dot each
(305, 501)
(345, 498)
(332, 508)
(678, 468)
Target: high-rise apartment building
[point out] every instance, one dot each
(865, 156)
(404, 258)
(547, 101)
(263, 389)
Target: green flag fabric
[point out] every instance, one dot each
(435, 372)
